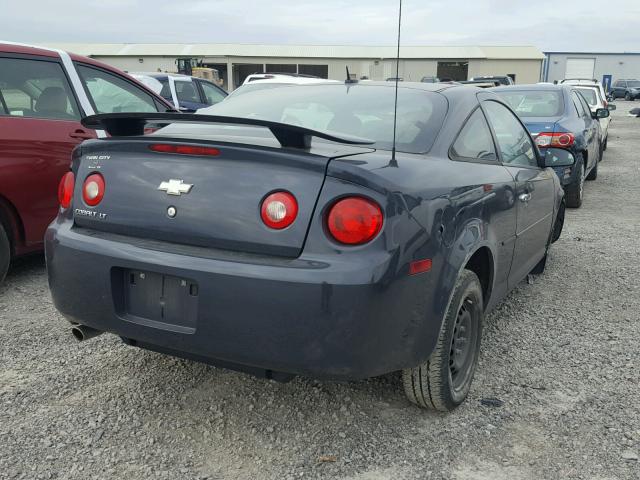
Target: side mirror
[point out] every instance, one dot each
(557, 157)
(601, 113)
(611, 107)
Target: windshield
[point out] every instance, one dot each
(534, 103)
(589, 95)
(633, 83)
(361, 110)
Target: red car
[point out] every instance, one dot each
(44, 94)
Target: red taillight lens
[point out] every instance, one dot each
(65, 189)
(279, 210)
(557, 139)
(184, 149)
(354, 220)
(93, 189)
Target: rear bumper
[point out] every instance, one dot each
(320, 317)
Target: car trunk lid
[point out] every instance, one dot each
(216, 198)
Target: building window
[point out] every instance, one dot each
(321, 71)
(281, 68)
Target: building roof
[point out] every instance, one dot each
(297, 51)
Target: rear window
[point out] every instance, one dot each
(589, 95)
(534, 103)
(361, 110)
(633, 83)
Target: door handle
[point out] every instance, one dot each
(524, 197)
(81, 135)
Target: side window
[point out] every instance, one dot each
(475, 140)
(578, 104)
(186, 92)
(585, 106)
(36, 89)
(514, 142)
(211, 93)
(112, 94)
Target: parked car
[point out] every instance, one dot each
(481, 83)
(269, 81)
(307, 247)
(501, 79)
(430, 80)
(628, 89)
(592, 95)
(43, 96)
(588, 82)
(299, 78)
(558, 116)
(185, 93)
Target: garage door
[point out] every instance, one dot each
(580, 67)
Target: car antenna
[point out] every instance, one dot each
(393, 162)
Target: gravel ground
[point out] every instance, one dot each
(561, 352)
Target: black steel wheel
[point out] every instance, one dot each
(462, 350)
(443, 382)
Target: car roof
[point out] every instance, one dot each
(176, 76)
(284, 78)
(27, 49)
(534, 86)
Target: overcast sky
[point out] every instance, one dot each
(575, 25)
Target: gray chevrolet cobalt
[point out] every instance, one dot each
(317, 230)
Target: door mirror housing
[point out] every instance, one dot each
(557, 157)
(601, 113)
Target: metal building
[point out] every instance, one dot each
(605, 67)
(236, 61)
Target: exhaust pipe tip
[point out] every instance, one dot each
(82, 332)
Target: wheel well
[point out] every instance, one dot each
(11, 221)
(481, 263)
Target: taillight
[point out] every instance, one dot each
(184, 149)
(65, 189)
(555, 139)
(354, 220)
(279, 210)
(93, 189)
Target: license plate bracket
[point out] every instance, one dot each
(162, 301)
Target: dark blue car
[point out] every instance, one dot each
(280, 235)
(565, 129)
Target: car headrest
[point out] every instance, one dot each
(52, 100)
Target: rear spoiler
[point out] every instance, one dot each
(133, 124)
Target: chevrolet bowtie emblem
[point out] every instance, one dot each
(175, 187)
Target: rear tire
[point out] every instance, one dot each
(559, 225)
(593, 174)
(5, 253)
(443, 382)
(575, 191)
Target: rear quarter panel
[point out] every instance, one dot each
(439, 209)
